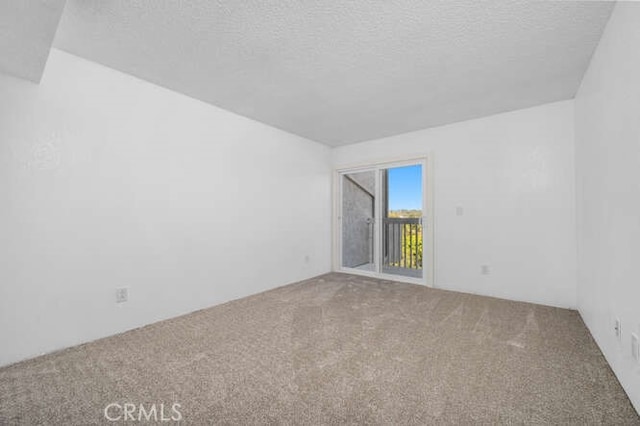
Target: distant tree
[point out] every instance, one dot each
(405, 213)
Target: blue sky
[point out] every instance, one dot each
(405, 188)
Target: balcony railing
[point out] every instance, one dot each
(402, 243)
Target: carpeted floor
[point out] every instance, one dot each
(337, 349)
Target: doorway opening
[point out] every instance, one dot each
(384, 221)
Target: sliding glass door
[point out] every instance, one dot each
(382, 220)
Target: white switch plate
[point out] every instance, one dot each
(122, 294)
(617, 326)
(635, 348)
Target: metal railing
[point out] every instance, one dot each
(402, 242)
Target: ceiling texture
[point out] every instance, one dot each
(340, 72)
(27, 28)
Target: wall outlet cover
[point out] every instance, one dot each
(635, 347)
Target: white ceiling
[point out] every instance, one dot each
(340, 71)
(27, 28)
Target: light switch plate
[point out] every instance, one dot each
(122, 294)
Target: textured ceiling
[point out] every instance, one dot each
(340, 71)
(27, 28)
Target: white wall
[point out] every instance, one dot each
(513, 175)
(109, 181)
(608, 192)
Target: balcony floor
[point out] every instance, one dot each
(405, 272)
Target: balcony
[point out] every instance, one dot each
(402, 246)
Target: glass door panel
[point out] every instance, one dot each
(402, 231)
(358, 220)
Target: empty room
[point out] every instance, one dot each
(293, 212)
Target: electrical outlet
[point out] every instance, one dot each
(459, 211)
(617, 327)
(635, 348)
(122, 294)
(485, 270)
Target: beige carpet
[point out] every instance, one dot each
(337, 349)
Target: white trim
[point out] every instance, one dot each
(430, 221)
(382, 163)
(381, 275)
(428, 253)
(377, 224)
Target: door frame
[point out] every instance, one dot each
(428, 222)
